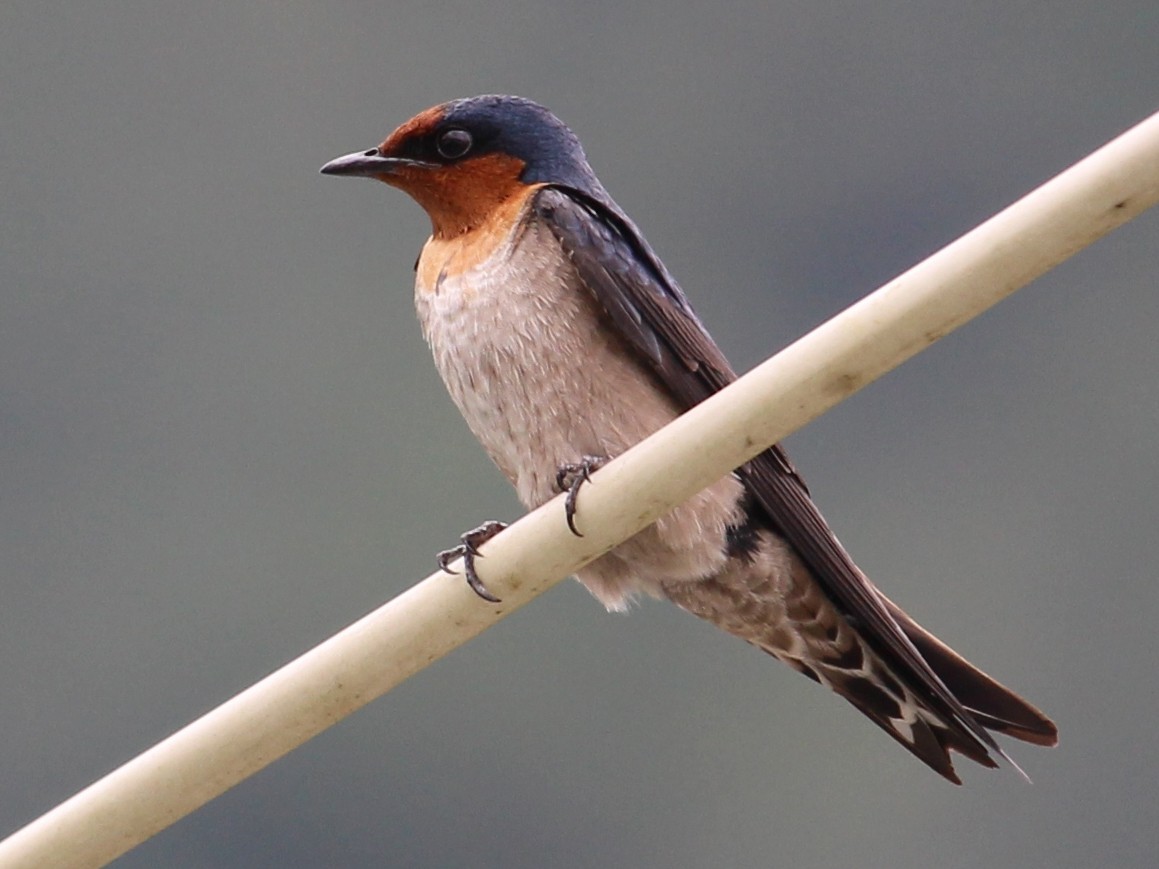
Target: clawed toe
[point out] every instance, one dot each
(468, 550)
(570, 478)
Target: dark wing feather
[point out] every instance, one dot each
(652, 315)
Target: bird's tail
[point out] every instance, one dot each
(783, 612)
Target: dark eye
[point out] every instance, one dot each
(454, 144)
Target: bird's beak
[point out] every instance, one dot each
(366, 164)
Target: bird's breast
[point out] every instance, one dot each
(527, 357)
(542, 379)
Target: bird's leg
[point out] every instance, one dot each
(468, 549)
(570, 477)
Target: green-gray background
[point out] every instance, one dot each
(221, 438)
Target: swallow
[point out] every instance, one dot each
(563, 340)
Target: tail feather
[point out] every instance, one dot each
(994, 705)
(906, 721)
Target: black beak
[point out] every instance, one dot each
(365, 164)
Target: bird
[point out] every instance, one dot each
(564, 340)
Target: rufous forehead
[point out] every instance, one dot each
(421, 124)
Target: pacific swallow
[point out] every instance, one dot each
(564, 340)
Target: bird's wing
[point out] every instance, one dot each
(649, 311)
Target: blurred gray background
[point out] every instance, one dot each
(222, 439)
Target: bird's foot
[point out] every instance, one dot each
(468, 550)
(570, 477)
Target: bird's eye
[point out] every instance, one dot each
(454, 144)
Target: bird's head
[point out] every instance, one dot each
(463, 159)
